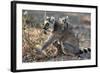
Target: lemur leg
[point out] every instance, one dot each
(48, 42)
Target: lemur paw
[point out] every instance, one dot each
(40, 52)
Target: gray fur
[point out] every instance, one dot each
(61, 31)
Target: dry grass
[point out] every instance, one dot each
(34, 38)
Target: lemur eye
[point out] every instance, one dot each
(64, 21)
(47, 24)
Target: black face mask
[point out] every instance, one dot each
(46, 26)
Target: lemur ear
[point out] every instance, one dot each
(52, 18)
(47, 17)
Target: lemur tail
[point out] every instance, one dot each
(85, 53)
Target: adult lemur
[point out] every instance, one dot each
(61, 33)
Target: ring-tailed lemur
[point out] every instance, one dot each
(61, 32)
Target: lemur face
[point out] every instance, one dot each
(49, 23)
(64, 20)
